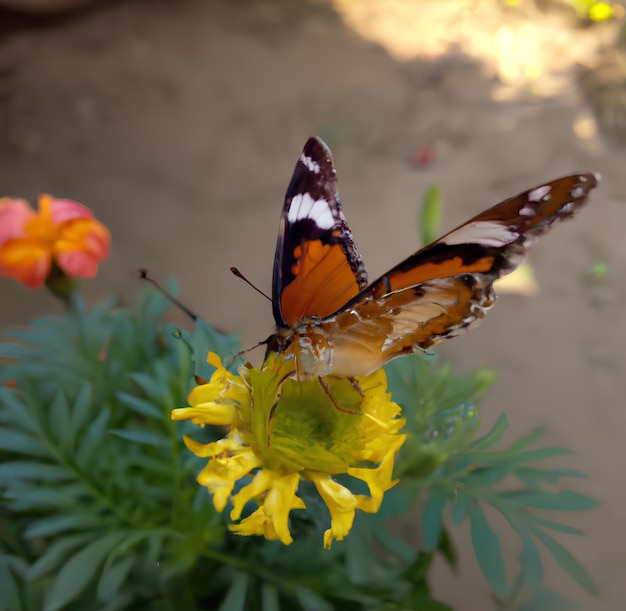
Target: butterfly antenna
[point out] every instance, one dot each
(237, 273)
(230, 359)
(143, 273)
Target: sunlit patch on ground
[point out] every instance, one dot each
(522, 46)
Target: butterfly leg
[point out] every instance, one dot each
(324, 385)
(356, 385)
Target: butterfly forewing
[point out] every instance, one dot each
(317, 268)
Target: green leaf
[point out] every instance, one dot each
(93, 439)
(17, 411)
(566, 561)
(545, 600)
(55, 555)
(432, 520)
(156, 540)
(22, 443)
(509, 458)
(113, 578)
(488, 551)
(447, 549)
(493, 436)
(310, 601)
(462, 507)
(10, 598)
(361, 566)
(235, 599)
(140, 436)
(206, 338)
(140, 406)
(398, 547)
(423, 602)
(33, 471)
(56, 524)
(527, 439)
(59, 420)
(81, 410)
(557, 526)
(539, 454)
(80, 570)
(126, 600)
(562, 500)
(533, 477)
(14, 351)
(530, 559)
(269, 598)
(486, 477)
(431, 214)
(25, 497)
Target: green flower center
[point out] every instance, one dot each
(303, 429)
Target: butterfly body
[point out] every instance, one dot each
(330, 321)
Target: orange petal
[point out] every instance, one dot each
(81, 246)
(78, 264)
(26, 261)
(62, 210)
(14, 214)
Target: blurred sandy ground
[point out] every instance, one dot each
(179, 123)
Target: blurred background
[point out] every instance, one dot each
(179, 123)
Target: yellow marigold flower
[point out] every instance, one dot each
(282, 431)
(62, 232)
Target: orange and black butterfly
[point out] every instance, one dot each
(331, 321)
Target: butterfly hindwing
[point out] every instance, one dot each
(317, 268)
(444, 289)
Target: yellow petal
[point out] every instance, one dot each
(280, 500)
(258, 523)
(218, 485)
(271, 519)
(260, 484)
(208, 450)
(378, 480)
(209, 413)
(341, 504)
(205, 393)
(221, 473)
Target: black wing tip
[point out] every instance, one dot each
(581, 187)
(317, 150)
(588, 180)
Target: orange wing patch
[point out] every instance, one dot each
(399, 279)
(324, 281)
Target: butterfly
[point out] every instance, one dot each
(331, 321)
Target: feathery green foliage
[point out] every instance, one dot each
(99, 508)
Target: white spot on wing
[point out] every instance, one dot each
(527, 211)
(303, 206)
(309, 164)
(539, 193)
(486, 233)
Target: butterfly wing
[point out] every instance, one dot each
(447, 287)
(317, 267)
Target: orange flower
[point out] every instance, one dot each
(63, 232)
